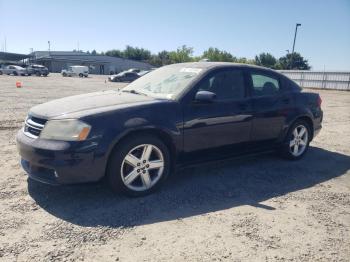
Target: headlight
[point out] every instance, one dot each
(67, 130)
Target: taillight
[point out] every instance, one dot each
(319, 101)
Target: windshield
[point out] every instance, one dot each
(165, 82)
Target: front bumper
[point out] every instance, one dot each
(59, 162)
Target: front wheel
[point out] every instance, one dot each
(139, 165)
(297, 141)
(81, 75)
(38, 74)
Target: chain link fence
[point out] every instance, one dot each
(320, 79)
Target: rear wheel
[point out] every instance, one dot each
(81, 75)
(139, 165)
(37, 74)
(15, 73)
(297, 141)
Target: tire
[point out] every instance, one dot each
(37, 74)
(29, 74)
(64, 74)
(297, 140)
(0, 73)
(15, 73)
(81, 75)
(44, 74)
(144, 179)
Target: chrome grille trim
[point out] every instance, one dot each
(33, 124)
(31, 128)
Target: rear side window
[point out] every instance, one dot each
(264, 85)
(227, 85)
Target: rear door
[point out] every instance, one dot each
(223, 122)
(270, 106)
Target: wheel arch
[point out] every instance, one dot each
(164, 136)
(308, 120)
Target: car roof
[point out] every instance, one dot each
(212, 65)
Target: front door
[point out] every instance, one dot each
(223, 122)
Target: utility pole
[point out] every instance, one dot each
(295, 36)
(49, 45)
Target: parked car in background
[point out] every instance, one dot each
(13, 70)
(38, 70)
(180, 114)
(144, 72)
(81, 71)
(134, 70)
(125, 76)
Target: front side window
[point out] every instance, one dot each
(264, 85)
(227, 85)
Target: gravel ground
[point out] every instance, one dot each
(253, 209)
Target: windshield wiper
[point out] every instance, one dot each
(133, 91)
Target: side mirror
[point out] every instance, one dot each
(205, 97)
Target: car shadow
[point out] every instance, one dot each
(193, 191)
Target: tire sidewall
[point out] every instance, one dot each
(286, 149)
(116, 159)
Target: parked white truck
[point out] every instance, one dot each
(81, 71)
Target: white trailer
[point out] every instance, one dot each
(81, 71)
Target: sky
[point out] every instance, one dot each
(243, 28)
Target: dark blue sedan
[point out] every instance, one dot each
(177, 115)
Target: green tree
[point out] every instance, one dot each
(244, 60)
(136, 53)
(266, 59)
(114, 53)
(181, 55)
(216, 55)
(160, 59)
(293, 61)
(93, 52)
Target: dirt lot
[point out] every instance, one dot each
(254, 209)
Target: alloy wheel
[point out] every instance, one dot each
(142, 167)
(299, 140)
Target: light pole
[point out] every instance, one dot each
(295, 36)
(49, 45)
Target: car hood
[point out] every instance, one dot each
(81, 105)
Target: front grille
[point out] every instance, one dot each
(33, 126)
